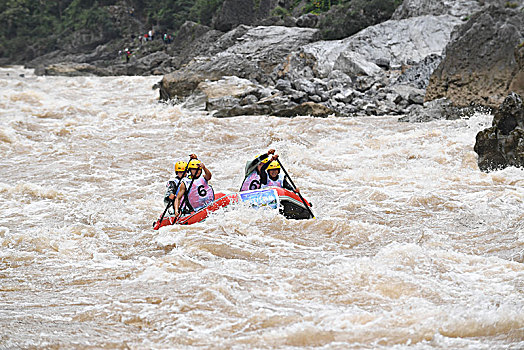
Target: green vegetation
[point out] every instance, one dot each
(319, 6)
(25, 19)
(32, 28)
(280, 12)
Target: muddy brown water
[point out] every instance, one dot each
(412, 246)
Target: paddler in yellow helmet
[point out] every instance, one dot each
(173, 184)
(195, 191)
(252, 172)
(270, 175)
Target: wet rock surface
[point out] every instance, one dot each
(502, 144)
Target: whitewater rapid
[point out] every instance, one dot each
(412, 246)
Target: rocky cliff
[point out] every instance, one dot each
(483, 61)
(454, 53)
(381, 70)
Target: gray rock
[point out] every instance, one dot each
(338, 80)
(306, 108)
(308, 20)
(196, 101)
(481, 74)
(416, 98)
(394, 97)
(502, 145)
(298, 96)
(433, 110)
(315, 98)
(456, 8)
(248, 100)
(383, 63)
(253, 56)
(324, 96)
(405, 91)
(233, 13)
(353, 64)
(305, 85)
(364, 83)
(510, 114)
(418, 75)
(289, 21)
(399, 42)
(73, 70)
(193, 40)
(283, 85)
(222, 103)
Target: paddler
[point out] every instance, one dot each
(173, 184)
(252, 171)
(195, 189)
(270, 176)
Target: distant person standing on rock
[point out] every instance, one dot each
(128, 55)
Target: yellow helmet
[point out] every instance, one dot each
(263, 161)
(193, 164)
(180, 166)
(273, 165)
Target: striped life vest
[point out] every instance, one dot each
(251, 182)
(200, 194)
(279, 182)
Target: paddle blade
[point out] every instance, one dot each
(156, 225)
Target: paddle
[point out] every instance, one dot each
(156, 225)
(295, 187)
(186, 195)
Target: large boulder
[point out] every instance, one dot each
(480, 61)
(502, 144)
(391, 43)
(381, 70)
(193, 40)
(434, 110)
(457, 8)
(233, 96)
(517, 82)
(418, 74)
(252, 55)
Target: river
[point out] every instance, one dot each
(412, 246)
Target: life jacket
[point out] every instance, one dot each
(171, 185)
(200, 194)
(279, 182)
(251, 182)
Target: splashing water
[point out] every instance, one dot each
(412, 247)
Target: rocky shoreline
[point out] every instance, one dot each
(426, 52)
(431, 60)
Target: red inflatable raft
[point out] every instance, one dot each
(287, 202)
